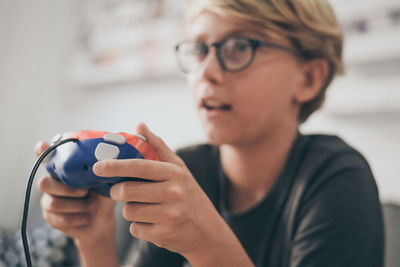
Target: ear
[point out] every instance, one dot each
(313, 77)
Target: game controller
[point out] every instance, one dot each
(72, 162)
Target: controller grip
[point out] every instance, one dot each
(72, 163)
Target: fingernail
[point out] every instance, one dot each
(143, 125)
(82, 192)
(98, 167)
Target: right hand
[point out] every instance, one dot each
(83, 215)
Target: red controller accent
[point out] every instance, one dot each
(143, 147)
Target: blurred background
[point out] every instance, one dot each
(108, 65)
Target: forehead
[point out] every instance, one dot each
(208, 26)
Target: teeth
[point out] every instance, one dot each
(216, 105)
(213, 104)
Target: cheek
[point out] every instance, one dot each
(267, 92)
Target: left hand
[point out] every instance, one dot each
(171, 210)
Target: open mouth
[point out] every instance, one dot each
(211, 105)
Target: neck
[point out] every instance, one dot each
(253, 168)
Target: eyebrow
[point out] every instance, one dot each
(244, 32)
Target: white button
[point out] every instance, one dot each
(141, 137)
(106, 151)
(114, 138)
(56, 139)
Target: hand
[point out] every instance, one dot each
(171, 210)
(85, 216)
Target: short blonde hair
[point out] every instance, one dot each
(311, 26)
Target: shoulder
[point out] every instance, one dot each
(338, 199)
(331, 145)
(330, 164)
(328, 155)
(337, 183)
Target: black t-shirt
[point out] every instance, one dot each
(323, 210)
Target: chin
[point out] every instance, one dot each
(219, 134)
(218, 138)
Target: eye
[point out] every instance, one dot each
(200, 49)
(237, 46)
(236, 50)
(241, 46)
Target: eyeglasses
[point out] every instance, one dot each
(233, 54)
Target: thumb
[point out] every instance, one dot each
(40, 147)
(163, 151)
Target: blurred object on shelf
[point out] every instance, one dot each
(371, 29)
(125, 41)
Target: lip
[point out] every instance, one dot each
(212, 107)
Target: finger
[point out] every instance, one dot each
(100, 205)
(40, 147)
(64, 205)
(54, 187)
(142, 230)
(163, 151)
(144, 192)
(65, 220)
(153, 233)
(146, 169)
(142, 212)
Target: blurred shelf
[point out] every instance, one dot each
(350, 10)
(372, 47)
(126, 41)
(358, 95)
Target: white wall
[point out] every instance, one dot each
(34, 38)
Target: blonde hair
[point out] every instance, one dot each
(310, 25)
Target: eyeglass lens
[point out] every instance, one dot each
(233, 54)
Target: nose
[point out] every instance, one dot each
(210, 69)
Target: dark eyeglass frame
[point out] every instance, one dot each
(254, 44)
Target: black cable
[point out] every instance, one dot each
(28, 195)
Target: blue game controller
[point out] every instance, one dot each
(72, 162)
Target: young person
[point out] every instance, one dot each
(259, 193)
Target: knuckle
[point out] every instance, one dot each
(47, 202)
(61, 220)
(57, 221)
(180, 161)
(83, 219)
(52, 203)
(174, 216)
(158, 139)
(164, 235)
(79, 193)
(175, 193)
(121, 192)
(178, 172)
